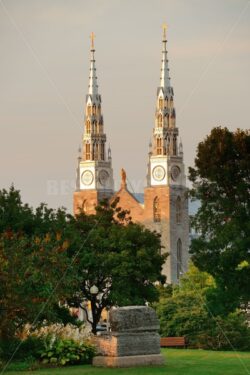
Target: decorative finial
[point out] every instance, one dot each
(124, 178)
(164, 27)
(92, 37)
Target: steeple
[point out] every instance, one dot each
(166, 149)
(165, 132)
(94, 138)
(165, 79)
(93, 87)
(95, 166)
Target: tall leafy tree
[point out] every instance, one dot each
(188, 310)
(120, 259)
(221, 182)
(33, 258)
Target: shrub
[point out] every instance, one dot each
(31, 347)
(68, 352)
(66, 332)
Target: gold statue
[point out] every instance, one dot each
(124, 177)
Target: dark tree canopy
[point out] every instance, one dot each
(33, 258)
(221, 182)
(48, 256)
(120, 258)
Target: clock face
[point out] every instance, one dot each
(159, 173)
(87, 177)
(175, 172)
(103, 177)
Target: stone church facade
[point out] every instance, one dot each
(165, 207)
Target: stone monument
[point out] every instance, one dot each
(133, 340)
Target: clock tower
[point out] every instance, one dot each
(165, 197)
(94, 180)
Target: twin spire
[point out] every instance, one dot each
(93, 87)
(165, 79)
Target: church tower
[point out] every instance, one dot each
(94, 180)
(165, 197)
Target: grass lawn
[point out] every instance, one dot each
(178, 362)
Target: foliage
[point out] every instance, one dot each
(61, 331)
(120, 258)
(188, 311)
(33, 258)
(23, 349)
(68, 352)
(221, 182)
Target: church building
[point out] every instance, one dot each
(165, 206)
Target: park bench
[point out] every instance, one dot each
(173, 341)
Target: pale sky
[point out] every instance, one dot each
(44, 67)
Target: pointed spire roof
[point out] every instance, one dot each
(93, 87)
(165, 79)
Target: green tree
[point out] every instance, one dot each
(187, 311)
(33, 258)
(120, 258)
(221, 182)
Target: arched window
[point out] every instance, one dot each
(159, 146)
(160, 121)
(89, 110)
(95, 126)
(87, 148)
(178, 210)
(99, 109)
(179, 258)
(174, 146)
(84, 206)
(156, 210)
(95, 151)
(88, 127)
(100, 128)
(94, 109)
(161, 103)
(102, 152)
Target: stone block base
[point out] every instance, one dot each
(129, 361)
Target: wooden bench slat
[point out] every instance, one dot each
(173, 341)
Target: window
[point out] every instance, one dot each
(179, 258)
(160, 121)
(161, 103)
(178, 210)
(88, 127)
(156, 210)
(95, 151)
(174, 146)
(87, 147)
(95, 126)
(159, 146)
(94, 109)
(84, 206)
(102, 152)
(89, 110)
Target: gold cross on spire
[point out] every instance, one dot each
(164, 27)
(92, 37)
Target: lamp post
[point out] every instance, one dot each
(95, 318)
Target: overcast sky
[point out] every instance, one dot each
(44, 66)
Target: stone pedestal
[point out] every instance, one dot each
(133, 341)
